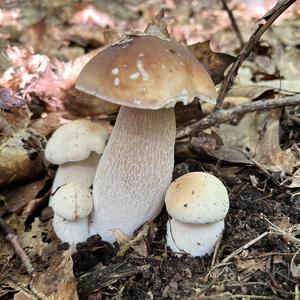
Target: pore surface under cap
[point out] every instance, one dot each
(146, 72)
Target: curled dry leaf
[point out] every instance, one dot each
(53, 81)
(295, 179)
(89, 14)
(21, 148)
(257, 136)
(60, 275)
(21, 156)
(137, 243)
(26, 67)
(18, 197)
(14, 114)
(214, 63)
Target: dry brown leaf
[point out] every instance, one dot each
(14, 114)
(53, 81)
(18, 197)
(215, 63)
(47, 124)
(33, 240)
(257, 136)
(138, 242)
(21, 157)
(57, 281)
(250, 92)
(284, 85)
(248, 266)
(296, 179)
(289, 64)
(88, 14)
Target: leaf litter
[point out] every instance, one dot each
(257, 157)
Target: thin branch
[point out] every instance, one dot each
(14, 240)
(227, 115)
(233, 23)
(270, 17)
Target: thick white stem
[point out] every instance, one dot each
(134, 171)
(82, 172)
(71, 232)
(193, 239)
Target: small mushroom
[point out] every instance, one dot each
(76, 147)
(72, 203)
(147, 75)
(198, 203)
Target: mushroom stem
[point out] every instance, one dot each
(134, 171)
(82, 172)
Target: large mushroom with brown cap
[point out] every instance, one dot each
(147, 75)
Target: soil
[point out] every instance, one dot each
(263, 269)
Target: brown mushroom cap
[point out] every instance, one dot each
(146, 72)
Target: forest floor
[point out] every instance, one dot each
(44, 46)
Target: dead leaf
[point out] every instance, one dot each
(18, 197)
(215, 63)
(88, 14)
(138, 242)
(248, 266)
(14, 114)
(57, 281)
(257, 136)
(47, 124)
(21, 156)
(289, 64)
(296, 179)
(158, 26)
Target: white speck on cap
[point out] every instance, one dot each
(141, 54)
(140, 67)
(134, 76)
(137, 101)
(197, 198)
(115, 71)
(116, 81)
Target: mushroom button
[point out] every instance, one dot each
(76, 147)
(72, 203)
(147, 76)
(197, 218)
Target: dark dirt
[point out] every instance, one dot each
(262, 269)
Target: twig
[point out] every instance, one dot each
(216, 250)
(14, 240)
(244, 247)
(233, 23)
(270, 17)
(226, 115)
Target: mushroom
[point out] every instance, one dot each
(76, 147)
(147, 76)
(198, 203)
(72, 203)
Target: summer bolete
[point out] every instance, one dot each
(76, 147)
(72, 204)
(147, 75)
(198, 203)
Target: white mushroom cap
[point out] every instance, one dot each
(75, 141)
(71, 232)
(197, 198)
(72, 202)
(193, 239)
